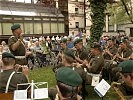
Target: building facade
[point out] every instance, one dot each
(79, 18)
(36, 19)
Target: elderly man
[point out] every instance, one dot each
(9, 78)
(17, 45)
(126, 69)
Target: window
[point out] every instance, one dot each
(7, 28)
(28, 18)
(37, 28)
(76, 10)
(47, 19)
(53, 19)
(28, 28)
(54, 28)
(131, 32)
(77, 24)
(61, 27)
(18, 18)
(46, 28)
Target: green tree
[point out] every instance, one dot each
(121, 12)
(98, 19)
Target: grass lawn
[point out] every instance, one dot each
(46, 74)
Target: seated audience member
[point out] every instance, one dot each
(68, 83)
(5, 47)
(38, 48)
(70, 43)
(126, 68)
(8, 60)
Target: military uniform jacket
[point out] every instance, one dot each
(82, 54)
(17, 78)
(20, 51)
(113, 50)
(65, 50)
(96, 64)
(125, 53)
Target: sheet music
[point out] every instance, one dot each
(41, 93)
(102, 88)
(20, 95)
(36, 92)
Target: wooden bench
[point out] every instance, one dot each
(6, 96)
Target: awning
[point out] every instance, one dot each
(23, 9)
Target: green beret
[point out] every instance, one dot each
(63, 40)
(70, 53)
(15, 26)
(7, 55)
(126, 66)
(68, 76)
(77, 41)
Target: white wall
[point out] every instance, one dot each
(76, 19)
(80, 18)
(71, 8)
